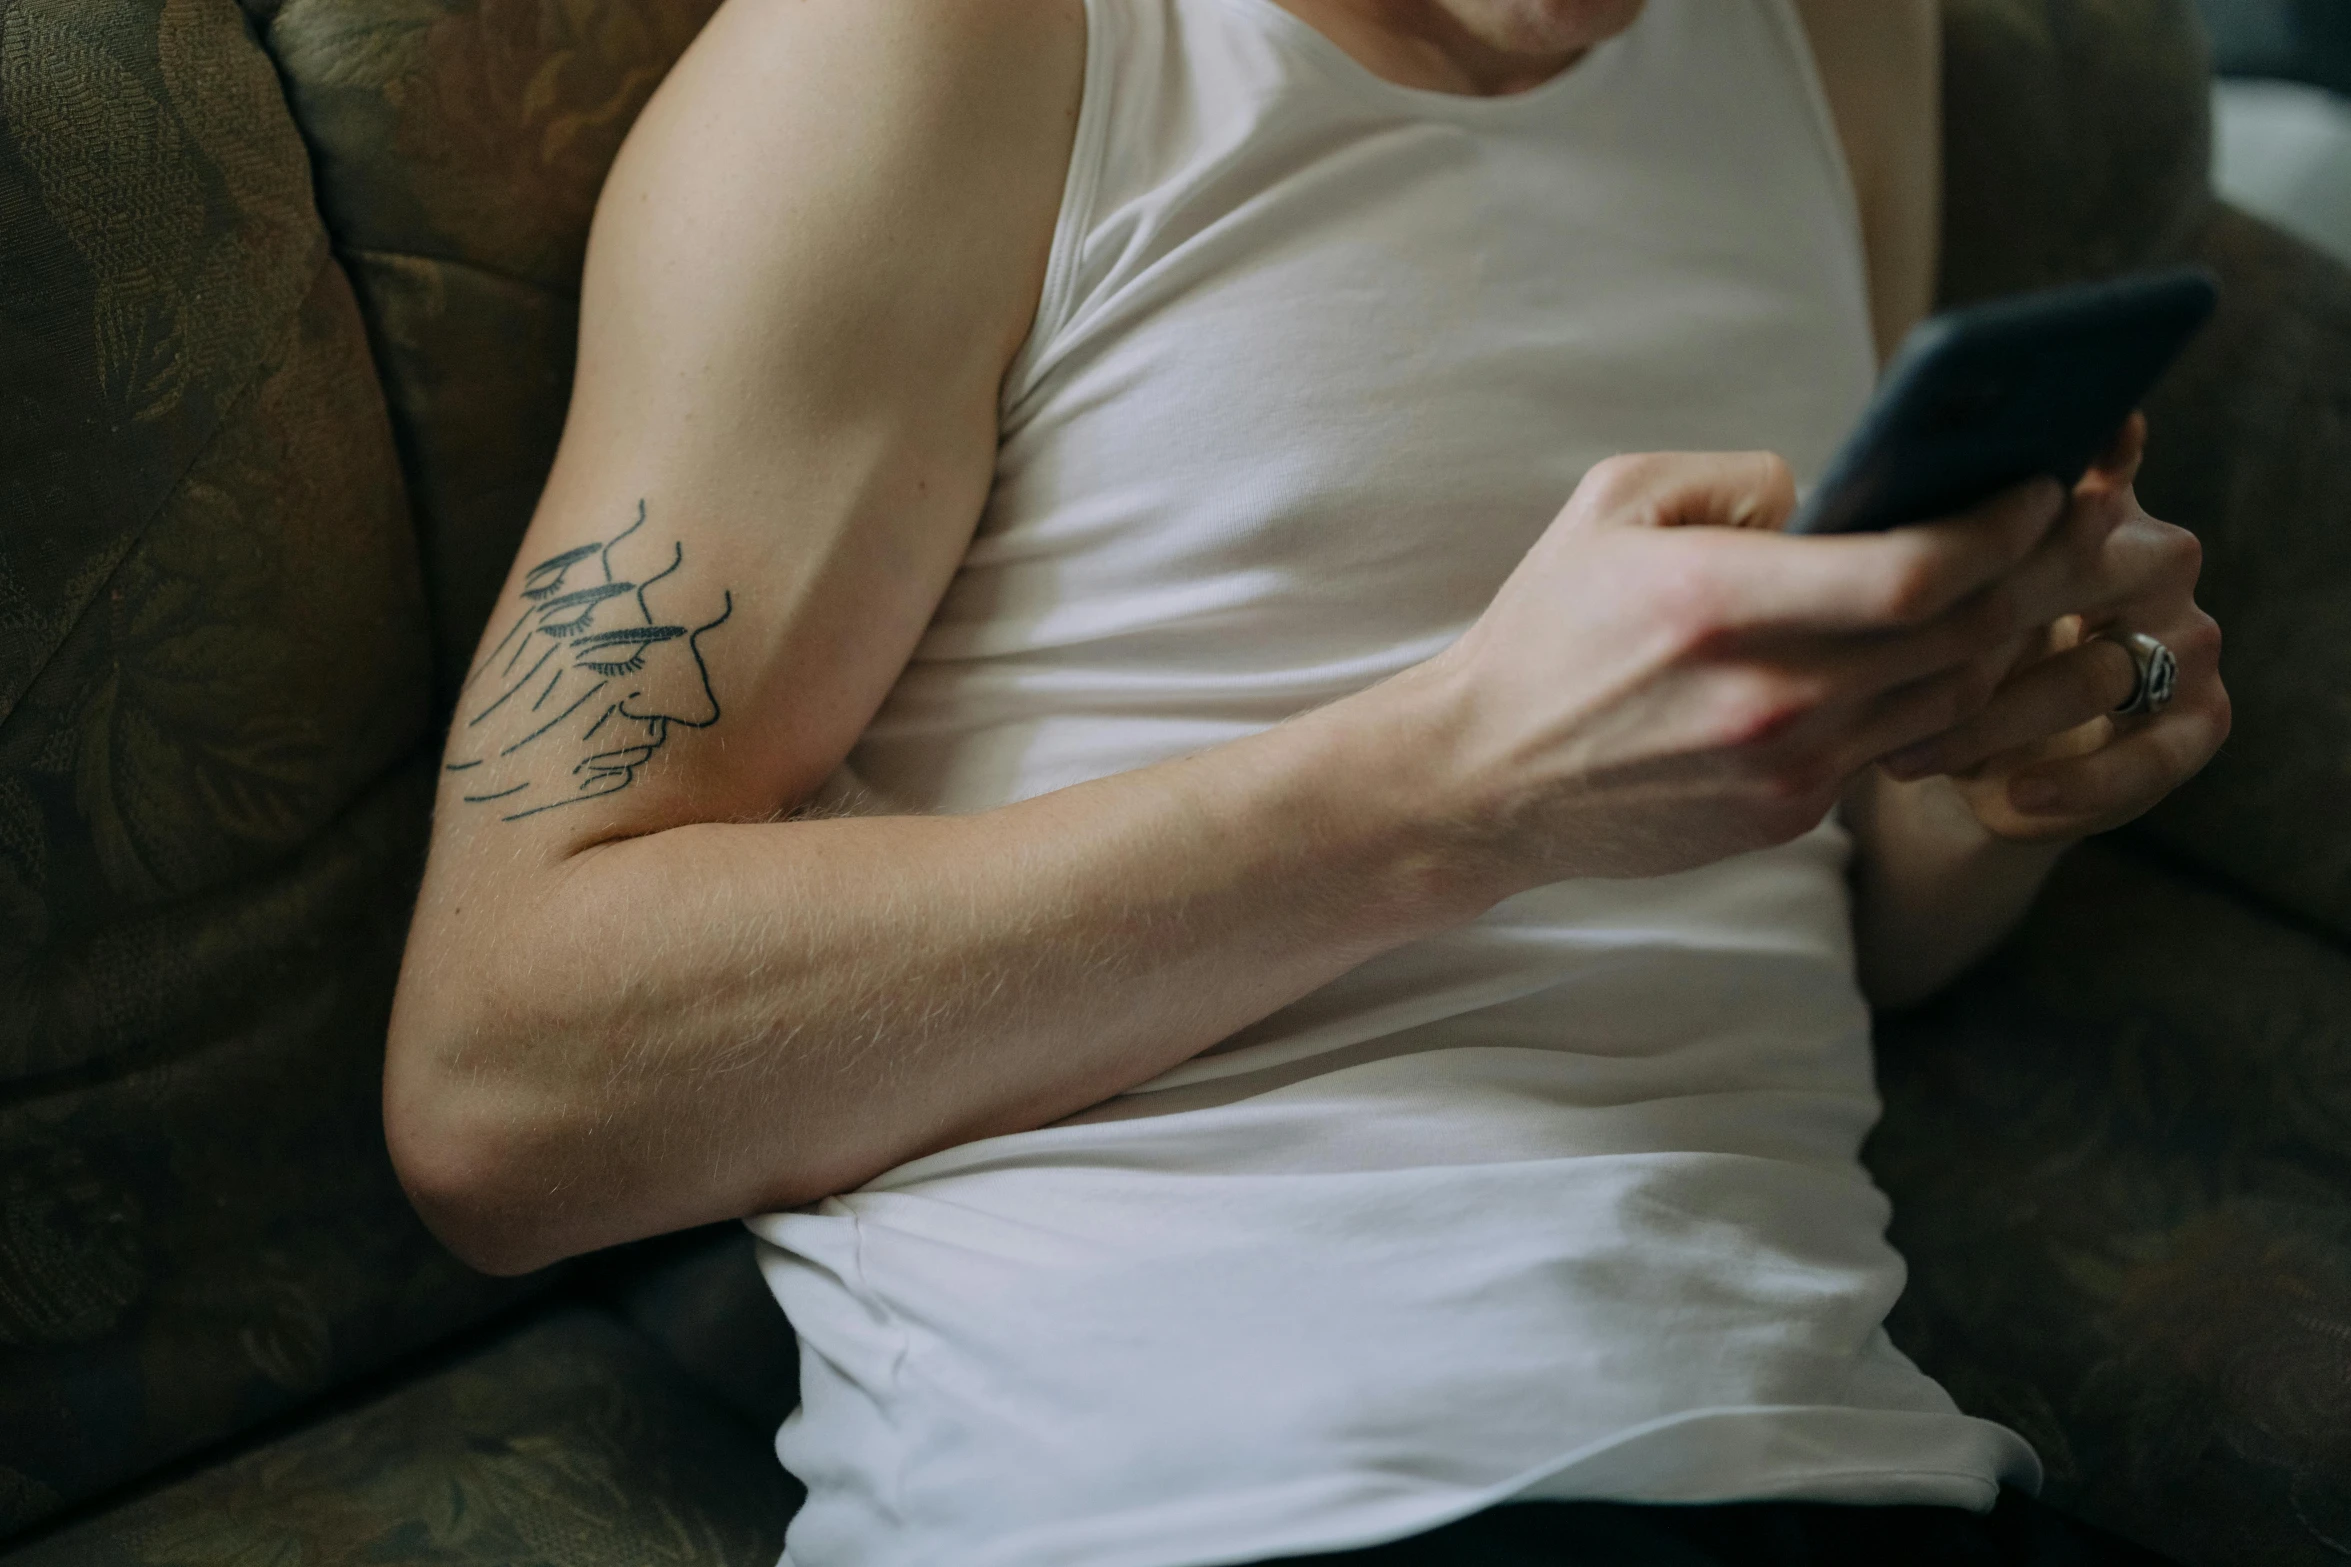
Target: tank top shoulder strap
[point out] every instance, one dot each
(1162, 77)
(1795, 48)
(1110, 40)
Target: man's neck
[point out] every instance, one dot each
(1480, 48)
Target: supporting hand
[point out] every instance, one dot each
(2048, 760)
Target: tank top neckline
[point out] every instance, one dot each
(1311, 43)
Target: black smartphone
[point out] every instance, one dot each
(1991, 395)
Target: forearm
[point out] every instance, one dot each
(1933, 890)
(814, 1002)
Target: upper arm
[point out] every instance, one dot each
(813, 260)
(1881, 68)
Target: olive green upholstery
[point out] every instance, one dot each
(572, 1440)
(2120, 1159)
(214, 719)
(286, 311)
(457, 150)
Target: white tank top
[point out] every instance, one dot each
(1563, 1203)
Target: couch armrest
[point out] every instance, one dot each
(2120, 1159)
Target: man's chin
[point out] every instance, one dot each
(1548, 27)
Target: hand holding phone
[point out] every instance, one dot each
(1983, 399)
(1994, 394)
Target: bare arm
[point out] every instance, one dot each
(1933, 891)
(634, 1000)
(637, 998)
(1881, 64)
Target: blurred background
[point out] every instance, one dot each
(2281, 121)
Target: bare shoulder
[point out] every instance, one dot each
(1881, 67)
(830, 209)
(926, 74)
(815, 257)
(868, 131)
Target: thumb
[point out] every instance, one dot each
(1685, 489)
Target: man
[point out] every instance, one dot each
(1338, 1010)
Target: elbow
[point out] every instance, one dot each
(459, 1186)
(464, 1154)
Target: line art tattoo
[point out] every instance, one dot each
(586, 682)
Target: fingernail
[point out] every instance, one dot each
(1911, 761)
(2033, 795)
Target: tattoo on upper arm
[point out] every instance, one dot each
(583, 686)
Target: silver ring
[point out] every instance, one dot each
(2158, 674)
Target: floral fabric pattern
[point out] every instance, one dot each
(214, 718)
(460, 145)
(2120, 1159)
(158, 235)
(570, 1442)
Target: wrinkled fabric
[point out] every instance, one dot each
(2018, 1532)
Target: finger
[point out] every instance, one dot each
(2077, 564)
(2060, 693)
(2061, 635)
(1876, 582)
(2024, 614)
(2001, 629)
(2146, 571)
(1852, 670)
(1746, 490)
(2117, 468)
(2121, 779)
(2010, 622)
(1919, 711)
(2082, 575)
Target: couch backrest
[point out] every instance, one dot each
(242, 510)
(458, 147)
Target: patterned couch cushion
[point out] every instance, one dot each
(2120, 1159)
(157, 236)
(2256, 457)
(213, 711)
(2121, 1155)
(570, 1443)
(459, 146)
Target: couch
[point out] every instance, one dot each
(287, 294)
